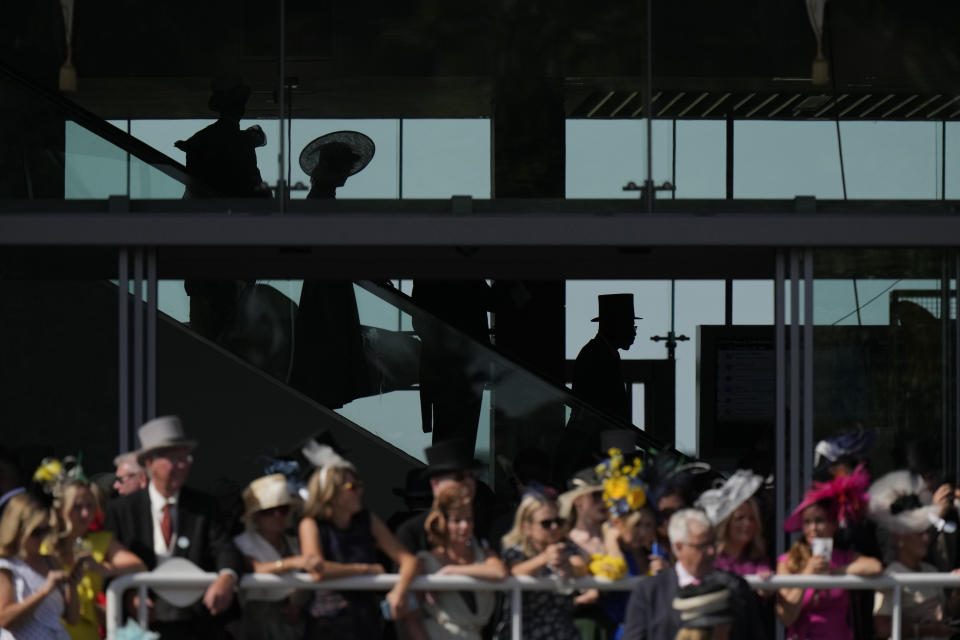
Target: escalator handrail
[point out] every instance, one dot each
(94, 123)
(407, 304)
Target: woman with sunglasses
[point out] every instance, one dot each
(536, 546)
(346, 537)
(96, 555)
(34, 591)
(267, 548)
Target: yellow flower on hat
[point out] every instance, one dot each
(616, 488)
(636, 498)
(48, 471)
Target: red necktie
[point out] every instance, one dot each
(166, 525)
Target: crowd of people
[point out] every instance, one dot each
(690, 535)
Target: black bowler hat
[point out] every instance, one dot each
(448, 457)
(615, 306)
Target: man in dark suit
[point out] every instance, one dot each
(598, 381)
(650, 611)
(168, 520)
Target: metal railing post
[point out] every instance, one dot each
(143, 616)
(516, 611)
(896, 617)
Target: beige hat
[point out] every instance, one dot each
(160, 433)
(265, 492)
(582, 483)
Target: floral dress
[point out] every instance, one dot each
(546, 615)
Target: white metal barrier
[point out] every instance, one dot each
(515, 585)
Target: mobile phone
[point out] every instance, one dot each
(658, 550)
(412, 605)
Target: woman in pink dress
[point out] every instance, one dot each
(822, 614)
(734, 512)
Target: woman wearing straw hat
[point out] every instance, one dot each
(901, 505)
(267, 549)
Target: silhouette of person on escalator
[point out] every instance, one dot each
(329, 361)
(221, 158)
(598, 381)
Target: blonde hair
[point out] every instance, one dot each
(798, 555)
(22, 515)
(452, 498)
(64, 504)
(756, 549)
(323, 486)
(516, 536)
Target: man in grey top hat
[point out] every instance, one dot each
(168, 520)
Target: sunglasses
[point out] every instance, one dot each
(40, 532)
(549, 523)
(272, 511)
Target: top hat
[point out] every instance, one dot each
(615, 306)
(703, 606)
(160, 433)
(449, 456)
(264, 493)
(227, 92)
(348, 146)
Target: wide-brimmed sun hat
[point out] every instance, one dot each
(266, 492)
(339, 143)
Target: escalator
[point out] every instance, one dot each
(233, 389)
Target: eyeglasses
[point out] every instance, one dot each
(549, 523)
(703, 546)
(123, 479)
(175, 456)
(352, 485)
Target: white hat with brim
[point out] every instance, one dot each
(720, 502)
(584, 482)
(162, 433)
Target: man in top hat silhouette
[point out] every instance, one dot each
(598, 381)
(597, 376)
(168, 520)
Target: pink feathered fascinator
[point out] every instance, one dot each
(848, 495)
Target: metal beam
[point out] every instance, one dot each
(377, 230)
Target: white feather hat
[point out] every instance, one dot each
(900, 503)
(720, 502)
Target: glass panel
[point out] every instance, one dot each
(879, 353)
(443, 158)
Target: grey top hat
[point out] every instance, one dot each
(615, 306)
(160, 433)
(703, 606)
(359, 144)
